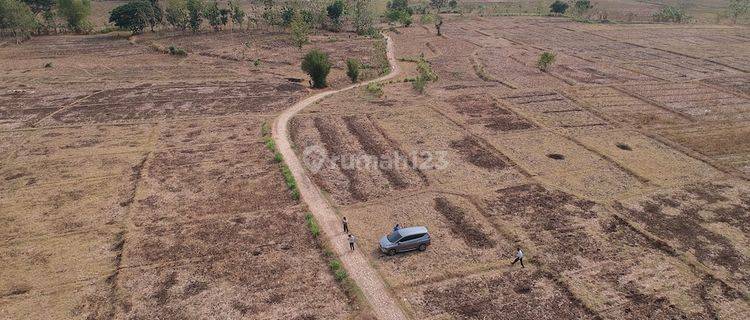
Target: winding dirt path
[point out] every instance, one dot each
(383, 304)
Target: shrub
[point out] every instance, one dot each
(38, 6)
(558, 7)
(238, 15)
(75, 13)
(352, 69)
(177, 14)
(453, 4)
(375, 88)
(399, 11)
(300, 31)
(315, 63)
(175, 51)
(17, 17)
(425, 75)
(312, 225)
(335, 11)
(134, 15)
(335, 265)
(362, 14)
(546, 59)
(195, 14)
(670, 14)
(340, 275)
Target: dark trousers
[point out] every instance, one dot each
(346, 228)
(518, 259)
(351, 245)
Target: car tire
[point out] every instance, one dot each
(391, 252)
(422, 247)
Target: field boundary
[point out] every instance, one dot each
(364, 275)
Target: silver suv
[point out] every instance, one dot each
(406, 239)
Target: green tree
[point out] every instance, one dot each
(335, 12)
(437, 4)
(352, 69)
(213, 14)
(300, 31)
(738, 9)
(546, 59)
(238, 15)
(75, 13)
(453, 4)
(363, 17)
(581, 6)
(316, 64)
(671, 14)
(38, 6)
(134, 15)
(177, 14)
(398, 10)
(158, 14)
(18, 18)
(195, 14)
(558, 7)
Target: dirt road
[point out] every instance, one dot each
(383, 304)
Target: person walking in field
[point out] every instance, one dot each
(352, 240)
(346, 225)
(519, 258)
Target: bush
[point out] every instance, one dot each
(362, 14)
(558, 7)
(177, 14)
(546, 59)
(315, 63)
(195, 14)
(75, 13)
(175, 51)
(134, 15)
(335, 11)
(375, 88)
(738, 9)
(671, 14)
(352, 69)
(399, 11)
(17, 17)
(217, 17)
(238, 15)
(300, 31)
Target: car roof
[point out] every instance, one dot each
(411, 231)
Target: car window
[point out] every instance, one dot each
(393, 237)
(411, 237)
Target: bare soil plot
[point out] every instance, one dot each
(136, 184)
(562, 164)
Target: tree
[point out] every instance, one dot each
(75, 13)
(546, 59)
(300, 31)
(177, 14)
(738, 9)
(238, 15)
(398, 10)
(352, 69)
(581, 6)
(453, 4)
(195, 14)
(437, 4)
(335, 11)
(213, 15)
(438, 24)
(670, 14)
(315, 63)
(134, 15)
(38, 6)
(18, 18)
(158, 15)
(362, 15)
(558, 7)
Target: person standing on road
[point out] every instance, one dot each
(519, 258)
(352, 240)
(346, 225)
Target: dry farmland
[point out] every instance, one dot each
(135, 184)
(622, 172)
